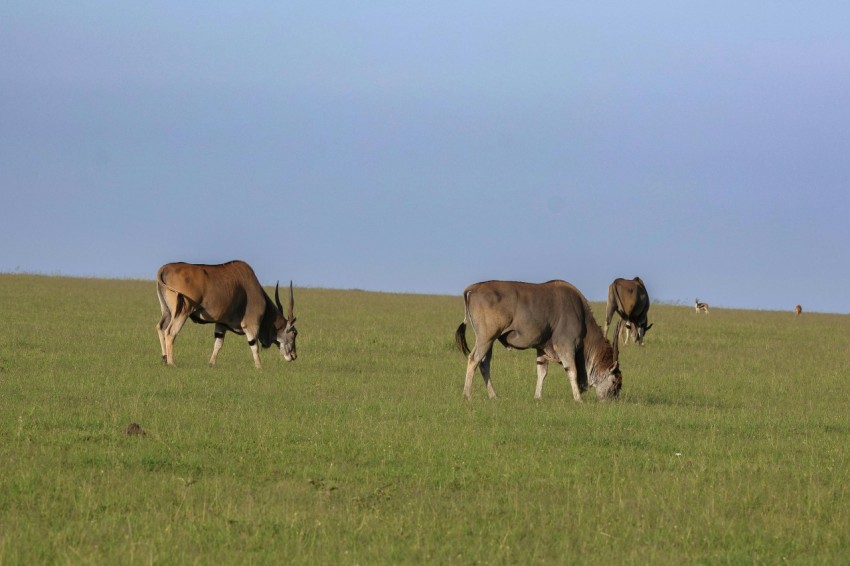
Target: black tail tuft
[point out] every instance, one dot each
(460, 339)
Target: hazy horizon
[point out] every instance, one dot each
(654, 300)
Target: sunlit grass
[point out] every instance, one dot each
(728, 444)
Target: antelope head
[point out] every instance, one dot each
(286, 332)
(608, 387)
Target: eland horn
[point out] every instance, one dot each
(291, 302)
(277, 297)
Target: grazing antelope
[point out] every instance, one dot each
(798, 309)
(554, 318)
(698, 306)
(629, 299)
(229, 296)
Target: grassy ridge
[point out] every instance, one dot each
(729, 443)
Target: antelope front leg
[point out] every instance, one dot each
(255, 350)
(573, 375)
(219, 342)
(569, 363)
(542, 369)
(251, 334)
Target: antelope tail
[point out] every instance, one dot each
(460, 339)
(460, 333)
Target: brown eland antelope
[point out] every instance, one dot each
(798, 309)
(698, 306)
(229, 296)
(629, 299)
(554, 318)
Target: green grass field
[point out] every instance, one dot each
(729, 444)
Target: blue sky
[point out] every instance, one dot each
(423, 146)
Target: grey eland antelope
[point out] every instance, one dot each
(554, 318)
(629, 299)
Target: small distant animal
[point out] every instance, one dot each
(798, 309)
(554, 318)
(698, 306)
(229, 296)
(135, 429)
(629, 299)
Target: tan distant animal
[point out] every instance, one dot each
(629, 299)
(554, 318)
(798, 309)
(229, 296)
(698, 306)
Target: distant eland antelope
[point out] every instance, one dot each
(229, 296)
(554, 318)
(698, 306)
(629, 299)
(798, 309)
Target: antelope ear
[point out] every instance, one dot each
(616, 367)
(291, 322)
(648, 327)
